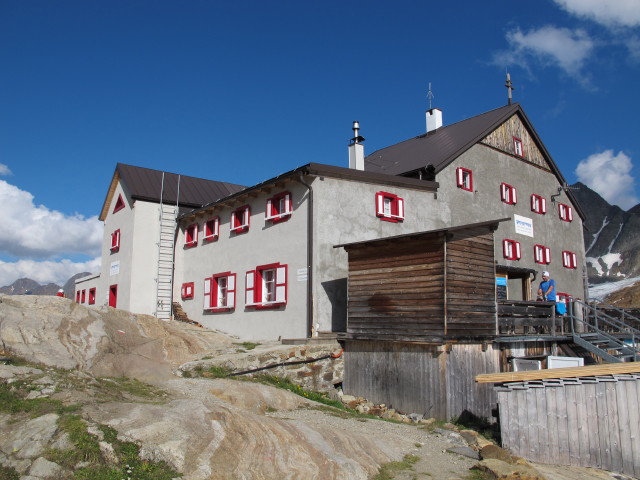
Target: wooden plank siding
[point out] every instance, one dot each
(422, 378)
(585, 421)
(395, 290)
(470, 284)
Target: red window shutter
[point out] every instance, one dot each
(281, 284)
(234, 221)
(505, 249)
(288, 203)
(518, 255)
(460, 177)
(514, 195)
(534, 203)
(250, 288)
(569, 214)
(503, 192)
(231, 291)
(78, 296)
(544, 205)
(207, 293)
(245, 217)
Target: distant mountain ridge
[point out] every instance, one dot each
(611, 237)
(26, 286)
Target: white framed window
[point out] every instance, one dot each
(212, 229)
(538, 204)
(565, 212)
(569, 259)
(187, 290)
(389, 207)
(266, 286)
(464, 179)
(279, 208)
(542, 254)
(115, 241)
(511, 249)
(240, 219)
(518, 148)
(508, 194)
(220, 292)
(191, 235)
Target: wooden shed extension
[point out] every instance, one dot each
(583, 416)
(427, 287)
(421, 321)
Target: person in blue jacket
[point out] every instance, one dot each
(547, 289)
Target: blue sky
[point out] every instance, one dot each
(243, 91)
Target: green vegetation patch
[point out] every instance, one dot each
(8, 473)
(287, 384)
(86, 451)
(123, 386)
(12, 401)
(388, 470)
(212, 371)
(247, 345)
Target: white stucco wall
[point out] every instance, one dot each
(264, 243)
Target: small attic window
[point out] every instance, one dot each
(119, 204)
(517, 147)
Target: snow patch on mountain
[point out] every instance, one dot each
(601, 290)
(608, 261)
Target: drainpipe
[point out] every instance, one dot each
(309, 257)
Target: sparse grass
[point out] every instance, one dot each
(133, 387)
(287, 384)
(12, 401)
(475, 474)
(212, 371)
(8, 473)
(87, 449)
(388, 470)
(247, 345)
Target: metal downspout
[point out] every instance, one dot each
(309, 257)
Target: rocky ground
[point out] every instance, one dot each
(86, 369)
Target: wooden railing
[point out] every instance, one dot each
(528, 318)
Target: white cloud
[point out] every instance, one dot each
(610, 176)
(30, 231)
(548, 46)
(4, 170)
(44, 272)
(610, 13)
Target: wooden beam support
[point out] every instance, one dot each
(571, 372)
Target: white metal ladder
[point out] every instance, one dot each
(164, 276)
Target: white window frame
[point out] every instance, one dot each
(213, 300)
(518, 147)
(511, 249)
(191, 235)
(569, 259)
(565, 212)
(256, 286)
(389, 207)
(508, 194)
(542, 254)
(538, 204)
(279, 208)
(211, 229)
(464, 179)
(241, 219)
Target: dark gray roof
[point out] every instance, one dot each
(438, 148)
(442, 146)
(146, 184)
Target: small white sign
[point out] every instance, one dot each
(302, 274)
(524, 225)
(114, 268)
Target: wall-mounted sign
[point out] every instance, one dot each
(114, 268)
(524, 225)
(302, 274)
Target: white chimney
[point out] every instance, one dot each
(434, 119)
(356, 149)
